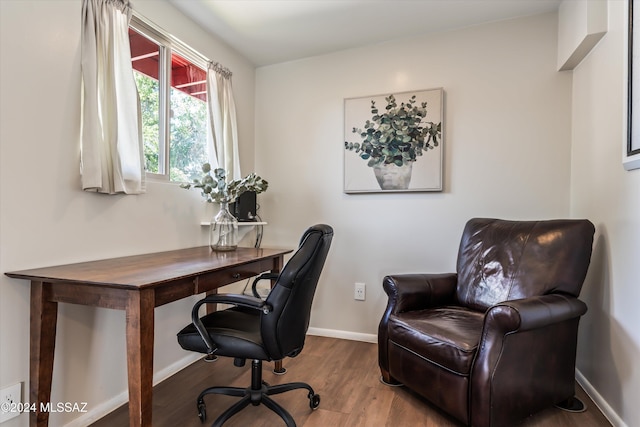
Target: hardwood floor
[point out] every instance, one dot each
(345, 374)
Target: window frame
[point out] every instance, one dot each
(167, 44)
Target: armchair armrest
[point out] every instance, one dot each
(532, 313)
(537, 335)
(408, 292)
(234, 299)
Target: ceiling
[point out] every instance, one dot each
(273, 31)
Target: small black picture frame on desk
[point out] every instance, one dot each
(631, 159)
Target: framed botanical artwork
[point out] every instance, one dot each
(632, 149)
(393, 142)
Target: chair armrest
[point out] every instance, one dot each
(408, 292)
(234, 299)
(263, 276)
(237, 299)
(532, 313)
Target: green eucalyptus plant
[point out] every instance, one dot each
(216, 189)
(397, 136)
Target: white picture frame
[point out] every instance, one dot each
(425, 173)
(631, 153)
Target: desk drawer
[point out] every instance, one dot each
(217, 279)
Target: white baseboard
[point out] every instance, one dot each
(602, 404)
(102, 409)
(345, 335)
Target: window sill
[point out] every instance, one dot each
(240, 223)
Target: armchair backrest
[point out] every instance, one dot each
(284, 328)
(502, 260)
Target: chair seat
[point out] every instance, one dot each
(236, 332)
(447, 336)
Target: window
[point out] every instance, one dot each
(171, 81)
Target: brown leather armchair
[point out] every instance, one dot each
(496, 341)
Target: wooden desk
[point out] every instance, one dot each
(136, 284)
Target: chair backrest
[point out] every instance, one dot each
(503, 260)
(284, 328)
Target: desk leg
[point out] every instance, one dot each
(44, 316)
(140, 323)
(278, 368)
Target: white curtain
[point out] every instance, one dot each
(112, 159)
(223, 134)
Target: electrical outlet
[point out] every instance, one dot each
(359, 292)
(10, 402)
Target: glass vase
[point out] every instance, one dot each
(224, 230)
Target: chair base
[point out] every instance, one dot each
(572, 404)
(390, 384)
(255, 395)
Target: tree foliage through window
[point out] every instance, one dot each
(188, 147)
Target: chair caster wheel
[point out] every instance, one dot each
(314, 401)
(202, 412)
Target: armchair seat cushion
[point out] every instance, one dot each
(446, 336)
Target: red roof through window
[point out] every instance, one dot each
(185, 76)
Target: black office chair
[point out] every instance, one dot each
(262, 330)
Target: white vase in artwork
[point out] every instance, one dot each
(393, 177)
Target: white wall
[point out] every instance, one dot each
(507, 153)
(45, 219)
(601, 190)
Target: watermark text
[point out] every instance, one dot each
(50, 407)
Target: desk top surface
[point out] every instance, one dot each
(149, 269)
